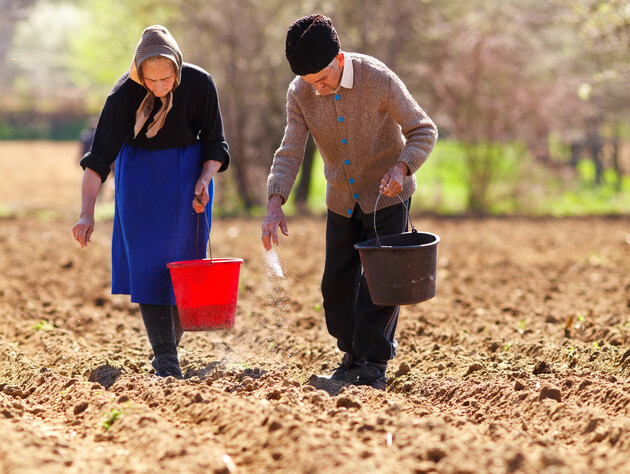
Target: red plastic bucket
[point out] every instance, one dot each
(206, 291)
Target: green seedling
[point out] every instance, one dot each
(43, 325)
(317, 307)
(507, 346)
(596, 345)
(111, 418)
(571, 351)
(235, 366)
(521, 326)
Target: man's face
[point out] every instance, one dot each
(327, 80)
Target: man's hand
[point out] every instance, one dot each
(392, 182)
(275, 218)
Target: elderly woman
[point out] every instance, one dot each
(162, 125)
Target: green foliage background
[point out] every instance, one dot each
(511, 85)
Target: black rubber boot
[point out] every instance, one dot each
(159, 322)
(165, 361)
(179, 331)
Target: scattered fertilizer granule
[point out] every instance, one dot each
(273, 263)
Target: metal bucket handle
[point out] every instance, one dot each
(378, 241)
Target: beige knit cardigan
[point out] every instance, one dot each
(360, 132)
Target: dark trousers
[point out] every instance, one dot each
(360, 327)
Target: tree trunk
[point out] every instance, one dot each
(615, 157)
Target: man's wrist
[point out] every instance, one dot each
(275, 200)
(404, 168)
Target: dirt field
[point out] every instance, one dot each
(521, 363)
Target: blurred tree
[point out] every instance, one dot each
(101, 48)
(474, 65)
(603, 38)
(241, 43)
(40, 46)
(12, 12)
(489, 72)
(481, 63)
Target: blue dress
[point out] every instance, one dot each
(154, 221)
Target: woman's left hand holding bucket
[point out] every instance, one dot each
(201, 199)
(210, 168)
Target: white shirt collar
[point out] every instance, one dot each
(347, 76)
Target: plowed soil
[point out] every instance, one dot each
(520, 364)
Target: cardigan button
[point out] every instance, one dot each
(344, 141)
(356, 196)
(337, 97)
(346, 162)
(349, 211)
(340, 119)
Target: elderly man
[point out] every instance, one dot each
(372, 137)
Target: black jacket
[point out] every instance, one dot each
(195, 116)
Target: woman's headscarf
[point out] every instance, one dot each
(155, 41)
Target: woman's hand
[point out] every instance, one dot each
(210, 168)
(83, 229)
(201, 197)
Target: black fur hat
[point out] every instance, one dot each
(312, 43)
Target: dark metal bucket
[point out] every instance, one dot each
(400, 269)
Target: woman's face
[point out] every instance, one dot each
(158, 76)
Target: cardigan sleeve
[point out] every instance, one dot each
(113, 123)
(211, 125)
(288, 158)
(419, 130)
